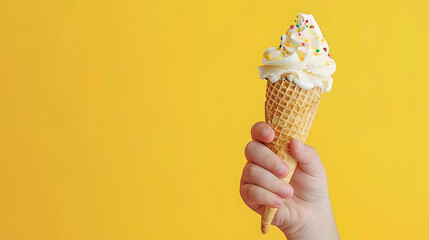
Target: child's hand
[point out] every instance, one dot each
(304, 207)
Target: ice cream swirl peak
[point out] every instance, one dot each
(303, 55)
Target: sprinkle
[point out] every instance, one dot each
(306, 25)
(312, 26)
(323, 40)
(297, 25)
(306, 40)
(329, 55)
(317, 50)
(288, 33)
(299, 34)
(303, 44)
(295, 20)
(292, 26)
(279, 58)
(325, 49)
(302, 58)
(317, 37)
(327, 63)
(287, 45)
(306, 21)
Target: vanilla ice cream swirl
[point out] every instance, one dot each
(303, 55)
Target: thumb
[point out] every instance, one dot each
(307, 157)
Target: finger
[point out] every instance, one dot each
(307, 157)
(257, 175)
(254, 196)
(259, 154)
(262, 132)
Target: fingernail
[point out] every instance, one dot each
(285, 191)
(281, 169)
(278, 202)
(266, 132)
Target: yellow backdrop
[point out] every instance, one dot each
(128, 119)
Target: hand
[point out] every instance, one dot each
(304, 209)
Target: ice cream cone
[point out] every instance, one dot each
(290, 111)
(298, 72)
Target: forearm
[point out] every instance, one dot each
(321, 228)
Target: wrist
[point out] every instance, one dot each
(321, 226)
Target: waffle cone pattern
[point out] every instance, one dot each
(290, 111)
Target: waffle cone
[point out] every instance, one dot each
(290, 111)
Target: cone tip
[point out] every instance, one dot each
(264, 228)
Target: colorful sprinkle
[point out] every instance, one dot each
(317, 37)
(295, 20)
(317, 50)
(287, 45)
(306, 21)
(303, 44)
(323, 40)
(327, 63)
(302, 58)
(306, 40)
(325, 49)
(312, 26)
(297, 25)
(288, 33)
(292, 26)
(299, 34)
(306, 25)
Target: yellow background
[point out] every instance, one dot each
(128, 119)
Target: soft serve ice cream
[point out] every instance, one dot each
(303, 57)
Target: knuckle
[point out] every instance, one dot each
(246, 170)
(243, 191)
(249, 191)
(253, 171)
(265, 197)
(248, 149)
